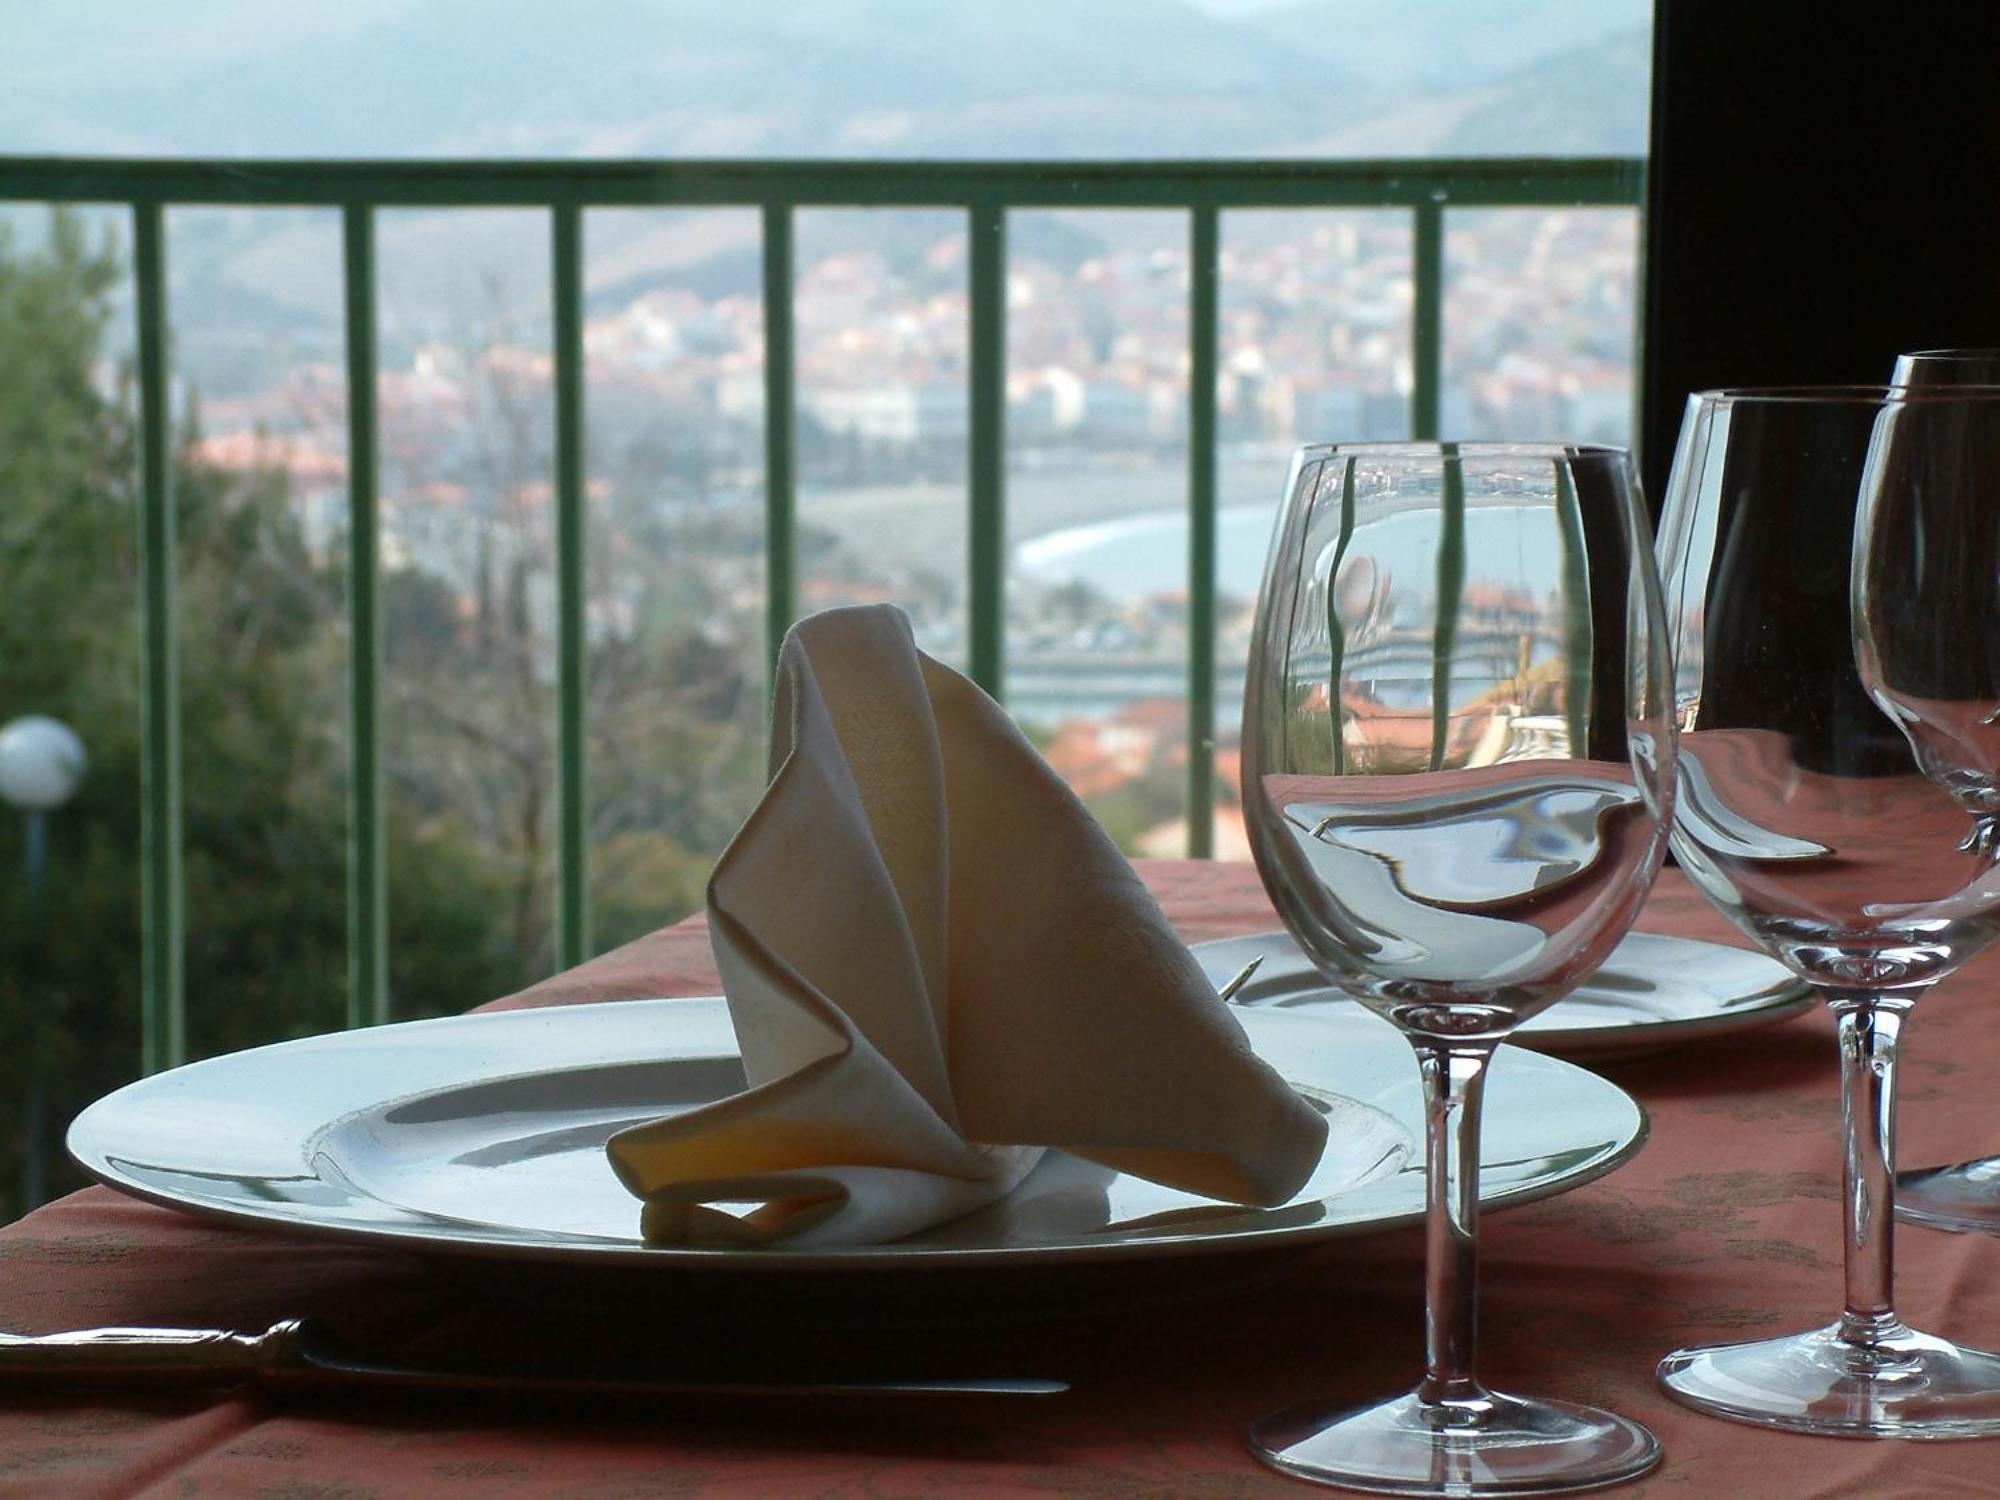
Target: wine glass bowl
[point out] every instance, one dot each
(1924, 367)
(1965, 1196)
(1829, 559)
(1937, 686)
(1457, 759)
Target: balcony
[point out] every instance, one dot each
(986, 195)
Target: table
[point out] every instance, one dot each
(1726, 1226)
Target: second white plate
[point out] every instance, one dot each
(1654, 992)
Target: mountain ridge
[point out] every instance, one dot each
(787, 78)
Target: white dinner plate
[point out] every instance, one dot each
(1654, 992)
(484, 1134)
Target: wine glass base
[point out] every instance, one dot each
(1965, 1197)
(1491, 1445)
(1900, 1384)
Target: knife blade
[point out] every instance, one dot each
(299, 1357)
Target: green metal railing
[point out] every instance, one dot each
(985, 191)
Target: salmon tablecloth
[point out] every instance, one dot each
(1726, 1225)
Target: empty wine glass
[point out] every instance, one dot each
(1927, 367)
(1832, 572)
(1965, 1196)
(1457, 751)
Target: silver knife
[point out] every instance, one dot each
(299, 1356)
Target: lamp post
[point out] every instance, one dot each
(41, 762)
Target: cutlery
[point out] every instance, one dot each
(1228, 988)
(300, 1356)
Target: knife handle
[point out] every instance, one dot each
(129, 1357)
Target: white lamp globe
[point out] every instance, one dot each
(41, 762)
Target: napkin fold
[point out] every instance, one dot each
(937, 965)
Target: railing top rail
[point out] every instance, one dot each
(1137, 183)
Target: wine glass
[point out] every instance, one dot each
(1830, 563)
(1965, 1196)
(1926, 367)
(1457, 756)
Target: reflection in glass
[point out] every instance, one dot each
(1832, 568)
(1457, 751)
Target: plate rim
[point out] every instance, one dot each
(98, 1159)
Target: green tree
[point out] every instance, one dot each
(262, 740)
(675, 718)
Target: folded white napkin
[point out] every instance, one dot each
(938, 964)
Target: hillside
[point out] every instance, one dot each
(675, 77)
(1588, 100)
(1431, 46)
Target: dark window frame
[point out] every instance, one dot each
(1822, 195)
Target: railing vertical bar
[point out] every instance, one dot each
(1336, 628)
(163, 1039)
(572, 666)
(1450, 599)
(1427, 318)
(1638, 404)
(1204, 274)
(367, 837)
(780, 432)
(987, 540)
(1578, 648)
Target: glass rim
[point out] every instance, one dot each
(1840, 395)
(1966, 356)
(1467, 448)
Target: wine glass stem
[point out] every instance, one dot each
(1869, 1027)
(1454, 1076)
